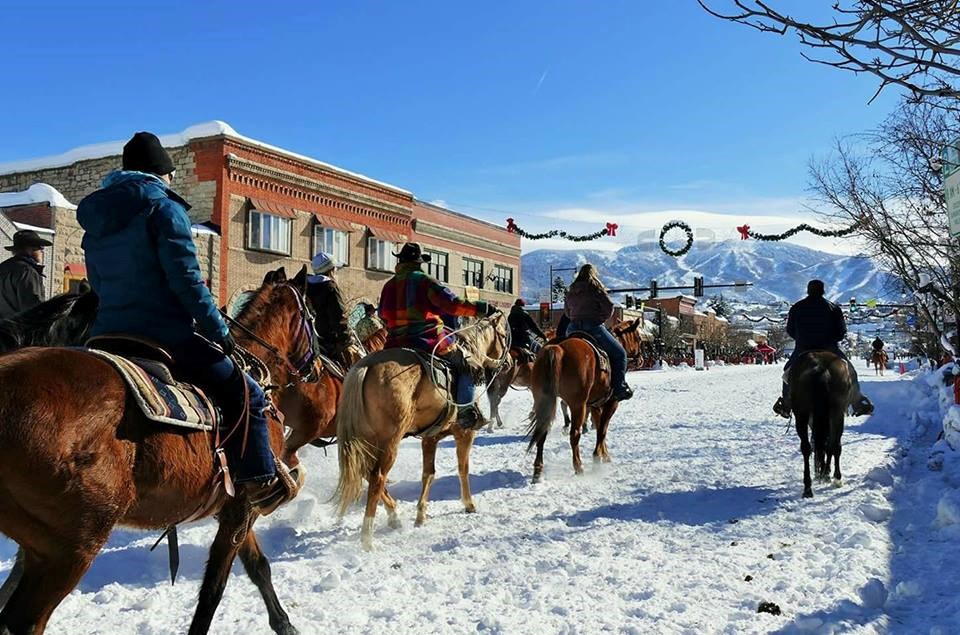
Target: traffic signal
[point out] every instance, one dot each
(698, 287)
(853, 304)
(653, 288)
(628, 300)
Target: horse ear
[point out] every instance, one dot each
(300, 280)
(281, 275)
(269, 278)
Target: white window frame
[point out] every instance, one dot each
(434, 268)
(334, 242)
(277, 226)
(380, 254)
(502, 283)
(473, 278)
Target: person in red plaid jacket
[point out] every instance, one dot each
(412, 307)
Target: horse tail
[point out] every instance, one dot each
(547, 371)
(821, 399)
(354, 452)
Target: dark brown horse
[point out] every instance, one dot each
(75, 466)
(819, 393)
(569, 371)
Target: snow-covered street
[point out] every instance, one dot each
(697, 521)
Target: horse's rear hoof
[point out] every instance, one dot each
(536, 478)
(807, 493)
(837, 483)
(470, 508)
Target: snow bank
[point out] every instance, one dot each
(36, 193)
(197, 131)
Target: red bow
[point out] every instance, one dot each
(612, 229)
(510, 226)
(744, 232)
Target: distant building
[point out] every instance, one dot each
(264, 207)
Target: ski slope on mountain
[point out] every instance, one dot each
(697, 521)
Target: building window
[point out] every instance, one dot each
(438, 265)
(333, 242)
(380, 255)
(503, 279)
(267, 232)
(473, 273)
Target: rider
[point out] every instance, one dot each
(588, 306)
(877, 344)
(412, 306)
(142, 262)
(522, 327)
(327, 304)
(815, 323)
(368, 324)
(21, 275)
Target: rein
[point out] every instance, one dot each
(500, 362)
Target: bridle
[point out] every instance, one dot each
(301, 362)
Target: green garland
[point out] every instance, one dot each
(609, 230)
(673, 225)
(746, 232)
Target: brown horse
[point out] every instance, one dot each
(628, 334)
(515, 372)
(387, 397)
(75, 466)
(879, 360)
(569, 371)
(819, 393)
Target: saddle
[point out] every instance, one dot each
(524, 355)
(145, 368)
(444, 373)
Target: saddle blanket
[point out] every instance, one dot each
(160, 397)
(603, 360)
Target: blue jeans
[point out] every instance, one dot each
(612, 347)
(200, 363)
(465, 388)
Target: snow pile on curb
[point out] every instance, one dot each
(948, 408)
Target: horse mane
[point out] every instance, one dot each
(50, 323)
(475, 339)
(256, 310)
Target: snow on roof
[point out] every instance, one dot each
(197, 131)
(39, 230)
(36, 193)
(203, 229)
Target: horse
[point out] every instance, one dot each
(879, 360)
(820, 387)
(628, 333)
(569, 371)
(74, 466)
(387, 396)
(515, 373)
(63, 320)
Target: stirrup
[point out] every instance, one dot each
(862, 407)
(469, 417)
(781, 408)
(265, 498)
(623, 393)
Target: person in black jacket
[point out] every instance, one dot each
(522, 328)
(877, 344)
(21, 275)
(816, 324)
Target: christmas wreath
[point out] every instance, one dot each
(675, 224)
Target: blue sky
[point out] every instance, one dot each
(560, 114)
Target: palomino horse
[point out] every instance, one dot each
(879, 360)
(77, 465)
(819, 393)
(569, 371)
(386, 397)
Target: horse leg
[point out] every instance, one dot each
(836, 432)
(538, 462)
(13, 579)
(390, 503)
(578, 415)
(236, 517)
(378, 483)
(801, 424)
(566, 415)
(429, 446)
(258, 569)
(602, 423)
(464, 440)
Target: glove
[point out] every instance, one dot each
(229, 345)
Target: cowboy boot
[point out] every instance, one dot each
(266, 497)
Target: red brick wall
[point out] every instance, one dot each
(37, 214)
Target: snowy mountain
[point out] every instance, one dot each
(779, 270)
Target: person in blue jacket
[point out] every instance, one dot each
(142, 263)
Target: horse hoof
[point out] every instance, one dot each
(536, 479)
(578, 471)
(470, 508)
(420, 521)
(837, 483)
(286, 629)
(366, 544)
(807, 493)
(394, 523)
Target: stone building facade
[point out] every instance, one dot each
(269, 207)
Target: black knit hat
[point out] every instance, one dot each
(144, 153)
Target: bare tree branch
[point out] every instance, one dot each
(910, 43)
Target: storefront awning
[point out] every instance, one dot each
(75, 269)
(270, 207)
(332, 222)
(386, 234)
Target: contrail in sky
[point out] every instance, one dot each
(540, 81)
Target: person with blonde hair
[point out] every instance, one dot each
(588, 306)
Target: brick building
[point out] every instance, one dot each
(270, 207)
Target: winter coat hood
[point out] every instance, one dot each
(127, 195)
